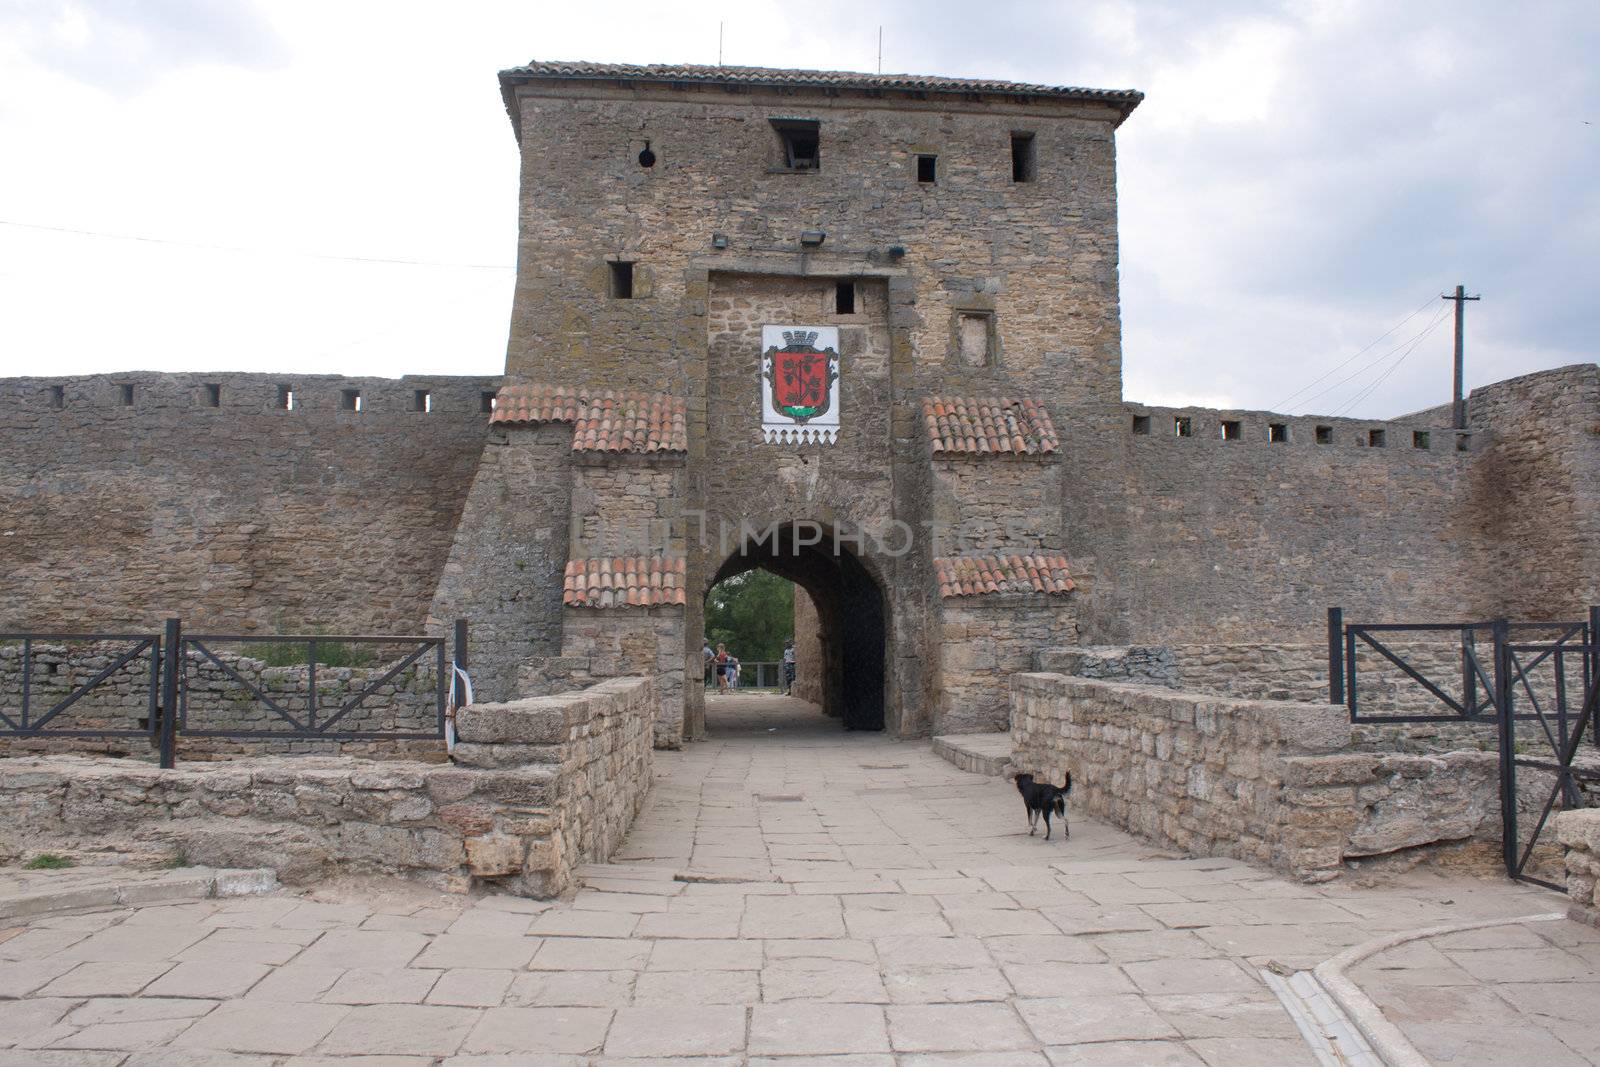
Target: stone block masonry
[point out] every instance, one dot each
(1272, 782)
(539, 786)
(1579, 833)
(240, 502)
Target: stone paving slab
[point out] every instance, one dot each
(791, 894)
(1524, 992)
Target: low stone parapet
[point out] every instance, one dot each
(1273, 782)
(541, 786)
(1579, 834)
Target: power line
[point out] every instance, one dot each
(1280, 405)
(253, 251)
(1368, 391)
(1305, 405)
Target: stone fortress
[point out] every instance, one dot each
(990, 493)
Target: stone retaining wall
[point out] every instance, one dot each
(540, 786)
(1272, 782)
(1579, 833)
(1299, 672)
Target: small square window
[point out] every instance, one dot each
(486, 402)
(1023, 164)
(1376, 438)
(1231, 430)
(1141, 425)
(927, 169)
(1182, 426)
(844, 298)
(286, 398)
(213, 395)
(801, 142)
(1419, 438)
(422, 400)
(1324, 435)
(621, 287)
(1278, 432)
(350, 399)
(127, 394)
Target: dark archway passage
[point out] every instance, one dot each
(851, 614)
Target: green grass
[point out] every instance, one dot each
(329, 654)
(48, 861)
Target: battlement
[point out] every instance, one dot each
(1245, 429)
(145, 394)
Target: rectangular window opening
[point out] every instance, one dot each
(1141, 425)
(487, 401)
(1182, 427)
(974, 338)
(1463, 442)
(58, 396)
(422, 401)
(350, 399)
(622, 281)
(286, 397)
(1023, 167)
(801, 140)
(1324, 435)
(927, 169)
(844, 298)
(127, 394)
(1376, 438)
(1231, 430)
(1419, 438)
(1278, 432)
(213, 395)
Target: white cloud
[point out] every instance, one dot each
(1302, 175)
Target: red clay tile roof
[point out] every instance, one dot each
(976, 575)
(987, 425)
(623, 581)
(604, 420)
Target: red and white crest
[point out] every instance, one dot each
(800, 383)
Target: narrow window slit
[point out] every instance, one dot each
(844, 298)
(621, 281)
(1023, 164)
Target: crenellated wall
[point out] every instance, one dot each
(202, 496)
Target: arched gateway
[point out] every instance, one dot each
(850, 611)
(844, 307)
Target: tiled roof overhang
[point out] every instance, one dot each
(604, 420)
(977, 575)
(988, 425)
(623, 581)
(1124, 100)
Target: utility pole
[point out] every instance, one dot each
(1459, 407)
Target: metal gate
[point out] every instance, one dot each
(1538, 684)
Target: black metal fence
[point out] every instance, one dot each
(159, 674)
(1539, 678)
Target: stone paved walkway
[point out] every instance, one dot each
(1525, 993)
(793, 894)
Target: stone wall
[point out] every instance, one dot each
(1299, 672)
(808, 664)
(227, 509)
(1534, 494)
(1579, 833)
(983, 641)
(504, 571)
(1272, 782)
(542, 786)
(1253, 539)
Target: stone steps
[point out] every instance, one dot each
(988, 753)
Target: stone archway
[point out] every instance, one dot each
(852, 613)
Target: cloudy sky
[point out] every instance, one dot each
(330, 185)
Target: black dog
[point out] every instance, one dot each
(1043, 798)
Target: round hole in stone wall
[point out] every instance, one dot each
(647, 158)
